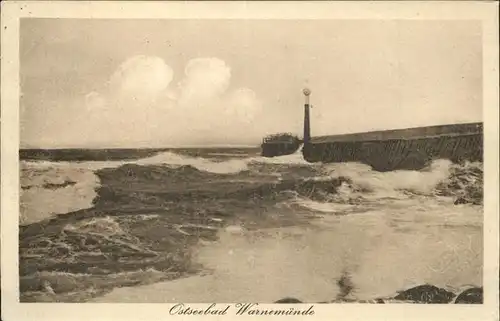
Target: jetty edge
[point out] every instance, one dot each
(405, 149)
(385, 150)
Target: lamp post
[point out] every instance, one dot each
(307, 126)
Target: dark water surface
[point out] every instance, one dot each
(235, 226)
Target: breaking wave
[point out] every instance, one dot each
(88, 227)
(51, 188)
(392, 184)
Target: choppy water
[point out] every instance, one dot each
(228, 227)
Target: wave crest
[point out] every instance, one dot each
(465, 183)
(203, 164)
(46, 191)
(390, 184)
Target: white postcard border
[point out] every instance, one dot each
(12, 11)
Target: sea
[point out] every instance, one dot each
(227, 225)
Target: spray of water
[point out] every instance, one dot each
(80, 181)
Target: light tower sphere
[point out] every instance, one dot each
(307, 91)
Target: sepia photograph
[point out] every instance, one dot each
(252, 161)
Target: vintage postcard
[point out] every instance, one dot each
(192, 160)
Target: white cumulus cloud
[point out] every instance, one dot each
(204, 80)
(143, 106)
(141, 78)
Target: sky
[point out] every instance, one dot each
(90, 83)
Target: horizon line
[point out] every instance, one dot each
(142, 147)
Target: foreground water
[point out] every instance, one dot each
(236, 227)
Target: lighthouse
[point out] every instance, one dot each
(307, 125)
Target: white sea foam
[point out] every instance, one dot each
(39, 202)
(224, 167)
(202, 164)
(293, 159)
(390, 184)
(323, 207)
(171, 158)
(375, 247)
(389, 220)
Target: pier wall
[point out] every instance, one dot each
(384, 152)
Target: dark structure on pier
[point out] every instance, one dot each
(280, 144)
(286, 143)
(411, 148)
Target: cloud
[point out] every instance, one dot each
(94, 100)
(243, 105)
(205, 79)
(141, 105)
(141, 78)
